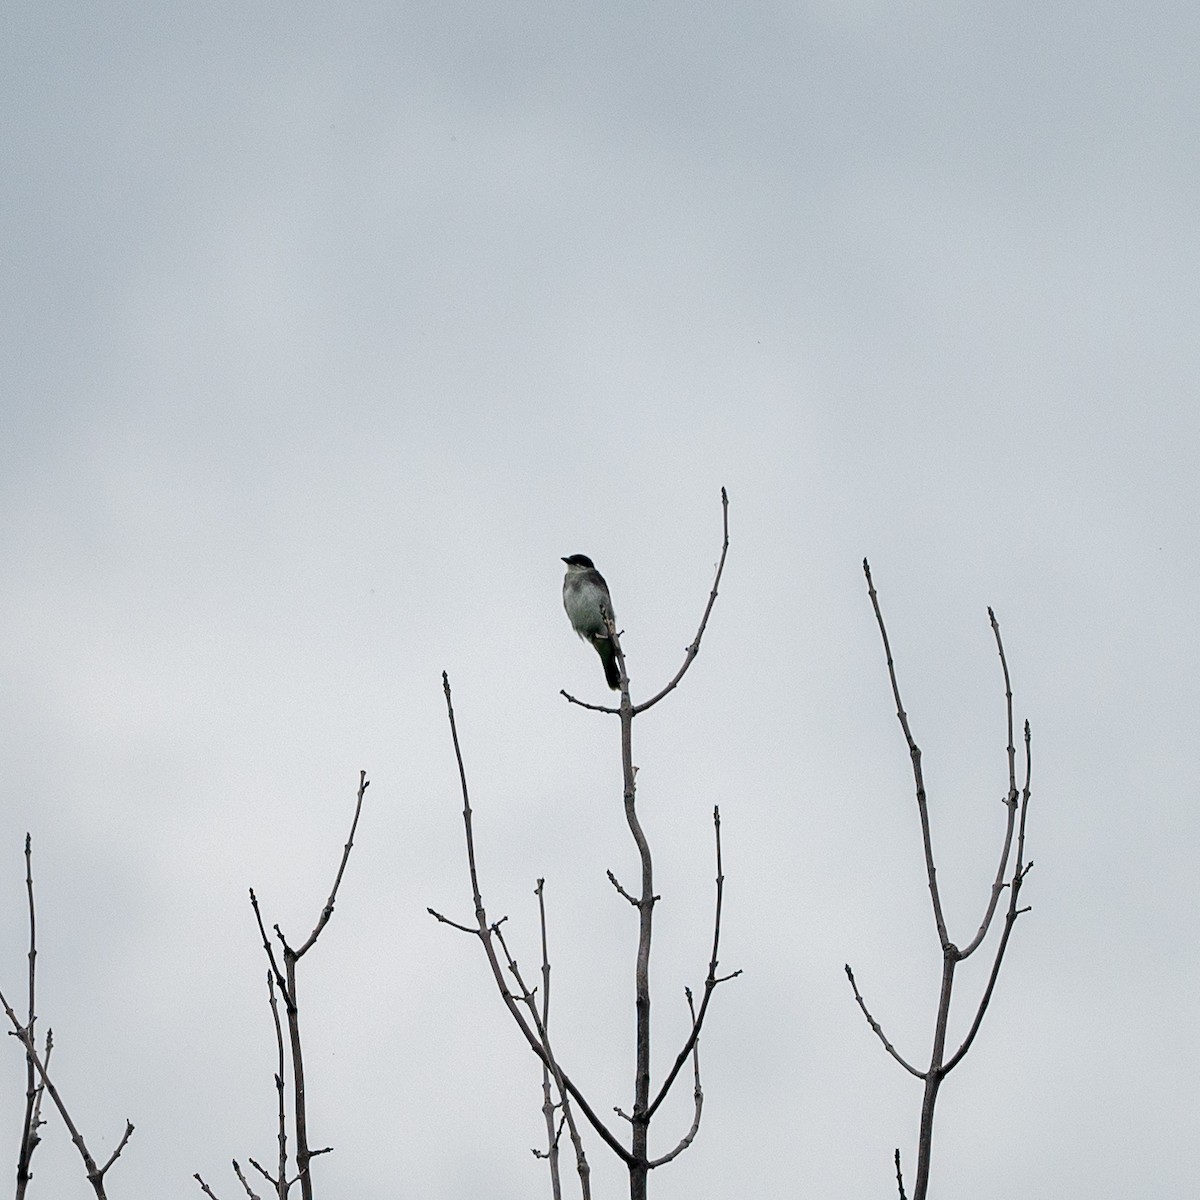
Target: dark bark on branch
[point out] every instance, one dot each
(38, 1077)
(285, 980)
(33, 1092)
(1017, 804)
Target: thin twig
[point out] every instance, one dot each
(33, 1093)
(1010, 799)
(711, 980)
(694, 648)
(327, 911)
(620, 890)
(1020, 870)
(915, 754)
(697, 1090)
(553, 1127)
(280, 1090)
(887, 1045)
(551, 1067)
(251, 1194)
(286, 981)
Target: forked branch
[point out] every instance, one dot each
(1017, 804)
(689, 653)
(284, 977)
(95, 1172)
(38, 1081)
(710, 983)
(486, 933)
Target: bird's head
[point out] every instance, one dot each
(580, 561)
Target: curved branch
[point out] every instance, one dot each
(697, 1091)
(327, 911)
(874, 1024)
(1010, 801)
(694, 648)
(1020, 870)
(710, 983)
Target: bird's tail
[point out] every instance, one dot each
(608, 656)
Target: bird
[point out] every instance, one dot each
(586, 599)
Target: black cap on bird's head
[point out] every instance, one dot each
(580, 560)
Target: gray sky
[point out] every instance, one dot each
(330, 328)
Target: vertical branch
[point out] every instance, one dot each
(299, 1106)
(711, 979)
(286, 981)
(38, 1078)
(29, 1130)
(551, 1071)
(549, 1108)
(640, 1118)
(280, 1180)
(935, 1075)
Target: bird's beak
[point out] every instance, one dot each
(564, 560)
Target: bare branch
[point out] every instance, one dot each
(601, 708)
(327, 911)
(486, 935)
(697, 1091)
(1010, 800)
(95, 1174)
(433, 912)
(33, 1093)
(251, 1194)
(285, 978)
(887, 1045)
(1020, 870)
(551, 1069)
(280, 1091)
(620, 890)
(939, 1064)
(711, 980)
(694, 648)
(112, 1158)
(899, 1176)
(554, 1127)
(275, 1183)
(915, 754)
(280, 978)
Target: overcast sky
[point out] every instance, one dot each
(330, 328)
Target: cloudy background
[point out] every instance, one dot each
(328, 329)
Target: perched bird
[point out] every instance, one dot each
(586, 599)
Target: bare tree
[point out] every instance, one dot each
(282, 978)
(38, 1079)
(1016, 802)
(635, 1153)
